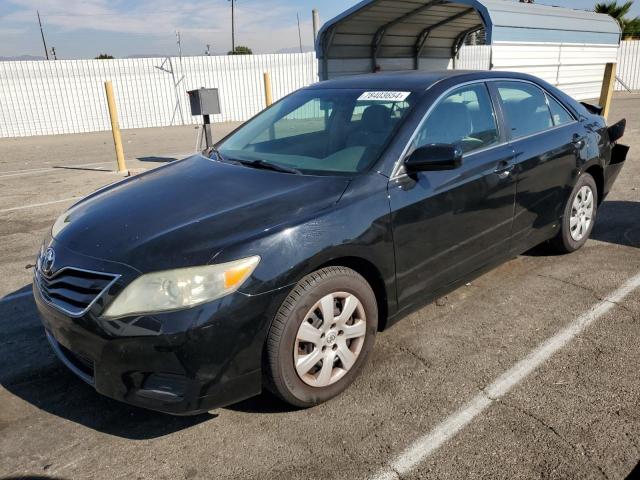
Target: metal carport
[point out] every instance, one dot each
(392, 35)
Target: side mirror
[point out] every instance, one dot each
(434, 157)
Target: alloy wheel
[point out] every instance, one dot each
(581, 213)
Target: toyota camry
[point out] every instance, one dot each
(273, 259)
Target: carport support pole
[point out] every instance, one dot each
(315, 16)
(606, 94)
(115, 126)
(268, 96)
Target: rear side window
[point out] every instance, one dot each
(465, 117)
(558, 112)
(526, 108)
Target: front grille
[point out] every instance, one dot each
(74, 291)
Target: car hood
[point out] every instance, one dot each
(184, 213)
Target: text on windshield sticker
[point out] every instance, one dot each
(384, 96)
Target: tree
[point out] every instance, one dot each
(105, 56)
(240, 50)
(630, 26)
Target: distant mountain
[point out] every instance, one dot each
(20, 58)
(305, 48)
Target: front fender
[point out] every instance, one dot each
(356, 227)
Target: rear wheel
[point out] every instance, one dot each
(321, 336)
(579, 216)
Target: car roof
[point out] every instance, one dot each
(414, 81)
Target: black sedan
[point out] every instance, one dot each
(274, 259)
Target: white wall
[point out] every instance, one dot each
(67, 96)
(576, 69)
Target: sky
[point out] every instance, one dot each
(85, 28)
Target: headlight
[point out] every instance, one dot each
(181, 288)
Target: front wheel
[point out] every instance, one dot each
(579, 216)
(321, 336)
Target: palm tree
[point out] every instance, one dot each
(630, 26)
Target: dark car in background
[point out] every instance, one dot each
(274, 260)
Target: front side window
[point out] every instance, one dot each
(465, 117)
(525, 107)
(322, 131)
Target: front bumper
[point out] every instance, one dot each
(183, 362)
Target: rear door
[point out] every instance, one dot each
(449, 223)
(546, 140)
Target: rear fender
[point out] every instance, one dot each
(616, 131)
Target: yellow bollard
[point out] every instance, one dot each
(268, 97)
(606, 94)
(115, 126)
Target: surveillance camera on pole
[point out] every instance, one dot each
(205, 102)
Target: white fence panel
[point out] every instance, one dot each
(474, 57)
(576, 69)
(67, 96)
(629, 65)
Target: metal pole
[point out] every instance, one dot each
(179, 42)
(316, 24)
(233, 28)
(299, 34)
(207, 132)
(46, 52)
(115, 126)
(268, 98)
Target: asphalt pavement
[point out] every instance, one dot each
(529, 371)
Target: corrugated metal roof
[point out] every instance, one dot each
(375, 29)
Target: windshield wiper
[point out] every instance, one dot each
(269, 166)
(216, 152)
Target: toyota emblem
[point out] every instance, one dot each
(48, 260)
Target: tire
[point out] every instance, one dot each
(288, 353)
(567, 240)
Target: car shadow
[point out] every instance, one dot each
(635, 473)
(32, 477)
(618, 222)
(266, 402)
(30, 371)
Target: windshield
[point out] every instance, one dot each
(328, 131)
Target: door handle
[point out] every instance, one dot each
(504, 168)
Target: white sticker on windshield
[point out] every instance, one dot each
(381, 96)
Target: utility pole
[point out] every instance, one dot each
(233, 27)
(299, 34)
(179, 42)
(46, 52)
(316, 24)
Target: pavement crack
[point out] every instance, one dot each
(553, 430)
(625, 308)
(404, 349)
(593, 293)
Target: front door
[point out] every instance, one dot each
(447, 224)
